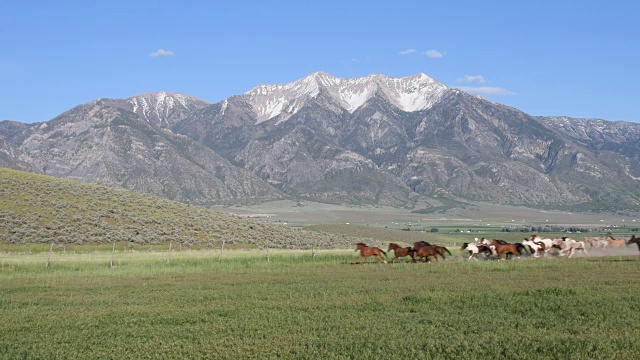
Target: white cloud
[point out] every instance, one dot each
(161, 53)
(434, 53)
(472, 79)
(408, 52)
(485, 90)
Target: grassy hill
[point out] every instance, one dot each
(36, 209)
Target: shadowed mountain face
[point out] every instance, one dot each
(372, 140)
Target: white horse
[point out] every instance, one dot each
(598, 243)
(569, 246)
(536, 248)
(475, 249)
(548, 243)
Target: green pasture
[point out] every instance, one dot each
(196, 304)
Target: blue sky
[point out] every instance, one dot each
(575, 58)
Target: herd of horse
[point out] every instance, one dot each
(534, 245)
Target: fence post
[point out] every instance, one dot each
(221, 249)
(49, 257)
(113, 252)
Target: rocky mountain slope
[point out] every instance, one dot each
(108, 145)
(375, 139)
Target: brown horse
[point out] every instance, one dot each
(505, 248)
(427, 252)
(613, 242)
(418, 244)
(366, 251)
(634, 240)
(401, 251)
(440, 250)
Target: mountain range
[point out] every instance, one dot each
(369, 140)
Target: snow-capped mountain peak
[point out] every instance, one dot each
(411, 93)
(160, 104)
(159, 108)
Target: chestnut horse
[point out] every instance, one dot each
(613, 242)
(441, 250)
(426, 252)
(401, 251)
(366, 251)
(634, 240)
(509, 250)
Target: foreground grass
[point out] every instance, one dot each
(242, 306)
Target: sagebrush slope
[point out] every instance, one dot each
(43, 209)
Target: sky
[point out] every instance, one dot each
(573, 58)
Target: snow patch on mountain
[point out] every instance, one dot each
(159, 105)
(412, 93)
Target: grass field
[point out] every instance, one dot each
(295, 306)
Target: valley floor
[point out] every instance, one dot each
(195, 305)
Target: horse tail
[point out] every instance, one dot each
(447, 250)
(384, 253)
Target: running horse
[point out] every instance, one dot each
(475, 249)
(569, 246)
(535, 247)
(634, 240)
(440, 250)
(401, 251)
(366, 251)
(548, 243)
(508, 249)
(596, 243)
(427, 252)
(613, 242)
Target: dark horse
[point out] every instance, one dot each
(440, 250)
(418, 244)
(366, 251)
(401, 251)
(634, 240)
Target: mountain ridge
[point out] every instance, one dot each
(375, 140)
